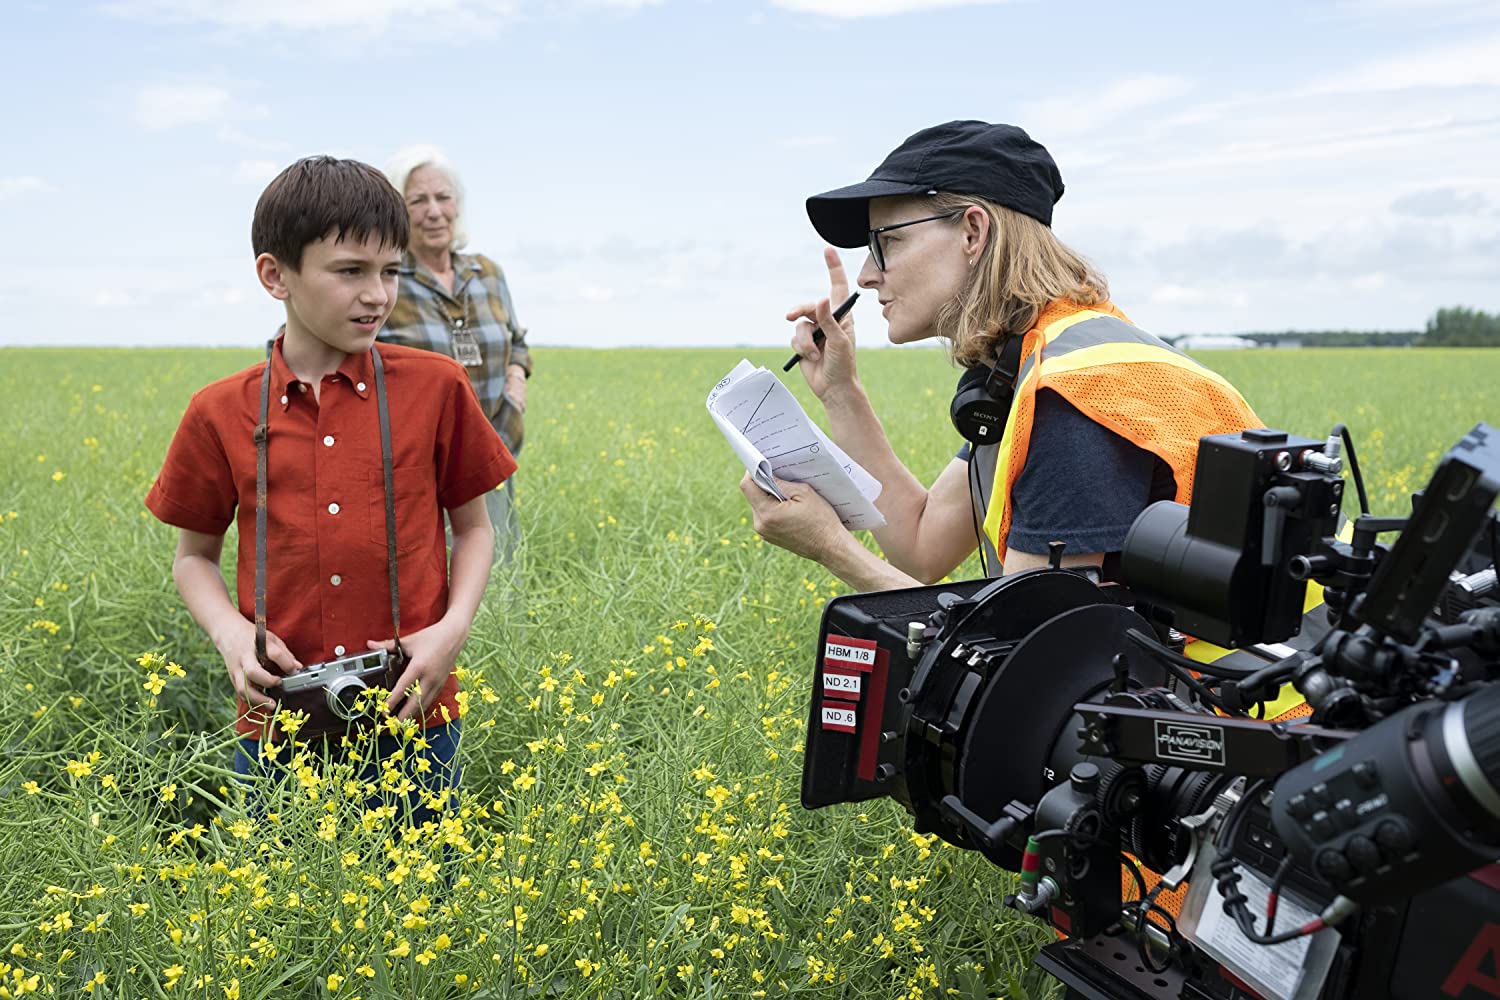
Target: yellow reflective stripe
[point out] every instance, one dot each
(1289, 697)
(998, 492)
(1128, 353)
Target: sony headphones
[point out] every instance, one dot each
(981, 403)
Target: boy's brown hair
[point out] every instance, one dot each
(320, 196)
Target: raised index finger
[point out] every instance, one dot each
(838, 283)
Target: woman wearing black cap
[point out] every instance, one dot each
(1105, 418)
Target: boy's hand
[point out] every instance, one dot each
(430, 656)
(250, 679)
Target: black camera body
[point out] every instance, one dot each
(1057, 726)
(333, 694)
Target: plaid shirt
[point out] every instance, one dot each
(426, 315)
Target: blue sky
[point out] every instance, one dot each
(639, 168)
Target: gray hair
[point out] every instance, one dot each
(398, 170)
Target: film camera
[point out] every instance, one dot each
(332, 693)
(1190, 833)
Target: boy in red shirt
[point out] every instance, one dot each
(328, 237)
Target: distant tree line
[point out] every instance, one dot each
(1452, 326)
(1457, 326)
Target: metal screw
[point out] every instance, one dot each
(1283, 460)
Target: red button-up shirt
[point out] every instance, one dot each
(327, 587)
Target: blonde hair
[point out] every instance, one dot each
(1022, 268)
(406, 161)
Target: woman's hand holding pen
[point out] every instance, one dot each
(828, 367)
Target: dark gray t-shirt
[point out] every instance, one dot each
(1082, 483)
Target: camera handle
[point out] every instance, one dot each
(990, 835)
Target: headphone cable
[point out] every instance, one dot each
(976, 489)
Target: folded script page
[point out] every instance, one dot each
(772, 435)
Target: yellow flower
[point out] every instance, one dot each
(168, 793)
(31, 787)
(585, 966)
(523, 782)
(539, 950)
(401, 950)
(98, 980)
(334, 982)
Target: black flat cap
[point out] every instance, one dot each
(998, 162)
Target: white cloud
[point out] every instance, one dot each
(373, 16)
(1087, 112)
(13, 187)
(1178, 295)
(1474, 63)
(167, 106)
(874, 8)
(255, 172)
(114, 298)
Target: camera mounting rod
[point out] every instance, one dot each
(1200, 742)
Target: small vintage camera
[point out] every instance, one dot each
(340, 682)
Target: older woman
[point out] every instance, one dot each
(1105, 418)
(459, 304)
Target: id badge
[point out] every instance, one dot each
(466, 349)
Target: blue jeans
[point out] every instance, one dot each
(441, 754)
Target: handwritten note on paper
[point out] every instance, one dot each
(773, 437)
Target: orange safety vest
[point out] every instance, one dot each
(1122, 378)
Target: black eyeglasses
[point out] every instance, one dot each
(877, 252)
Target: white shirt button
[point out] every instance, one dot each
(360, 387)
(335, 579)
(328, 441)
(338, 650)
(301, 386)
(283, 400)
(333, 508)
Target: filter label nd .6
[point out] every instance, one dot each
(839, 718)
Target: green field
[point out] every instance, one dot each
(631, 752)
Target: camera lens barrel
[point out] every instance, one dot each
(342, 694)
(1471, 735)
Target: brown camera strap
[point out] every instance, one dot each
(262, 449)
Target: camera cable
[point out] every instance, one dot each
(976, 491)
(1170, 660)
(1359, 480)
(1227, 877)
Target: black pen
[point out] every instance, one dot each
(838, 314)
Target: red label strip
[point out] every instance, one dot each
(839, 682)
(869, 742)
(843, 651)
(840, 717)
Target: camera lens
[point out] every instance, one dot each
(343, 697)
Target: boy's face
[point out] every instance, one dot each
(341, 295)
